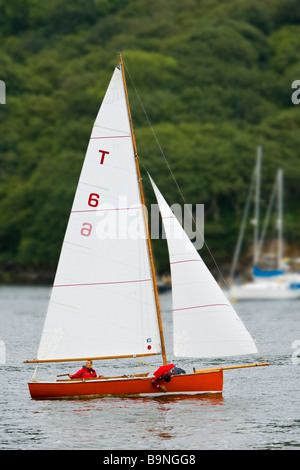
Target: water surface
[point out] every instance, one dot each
(259, 408)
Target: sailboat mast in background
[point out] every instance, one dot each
(257, 205)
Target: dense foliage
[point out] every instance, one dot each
(215, 81)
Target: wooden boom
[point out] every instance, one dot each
(79, 359)
(241, 366)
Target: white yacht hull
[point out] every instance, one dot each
(263, 291)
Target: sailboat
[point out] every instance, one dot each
(275, 284)
(104, 302)
(281, 274)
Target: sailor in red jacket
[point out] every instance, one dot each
(163, 372)
(85, 373)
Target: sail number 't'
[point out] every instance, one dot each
(103, 153)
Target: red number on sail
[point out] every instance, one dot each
(93, 200)
(86, 229)
(103, 153)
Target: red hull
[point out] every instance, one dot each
(209, 382)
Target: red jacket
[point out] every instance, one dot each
(162, 370)
(84, 373)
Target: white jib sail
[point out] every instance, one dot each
(102, 302)
(204, 322)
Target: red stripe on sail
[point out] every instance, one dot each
(187, 261)
(106, 210)
(101, 283)
(111, 137)
(201, 306)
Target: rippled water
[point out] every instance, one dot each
(259, 408)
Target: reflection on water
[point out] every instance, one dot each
(204, 399)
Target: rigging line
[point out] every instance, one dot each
(172, 174)
(149, 365)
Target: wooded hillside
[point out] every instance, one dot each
(215, 81)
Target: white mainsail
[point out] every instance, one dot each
(204, 322)
(102, 302)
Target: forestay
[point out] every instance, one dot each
(204, 322)
(102, 302)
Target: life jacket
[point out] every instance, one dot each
(163, 369)
(84, 373)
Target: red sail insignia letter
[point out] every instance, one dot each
(86, 229)
(103, 153)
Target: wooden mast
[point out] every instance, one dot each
(163, 350)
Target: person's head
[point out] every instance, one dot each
(89, 364)
(167, 377)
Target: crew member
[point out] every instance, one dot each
(165, 373)
(86, 372)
